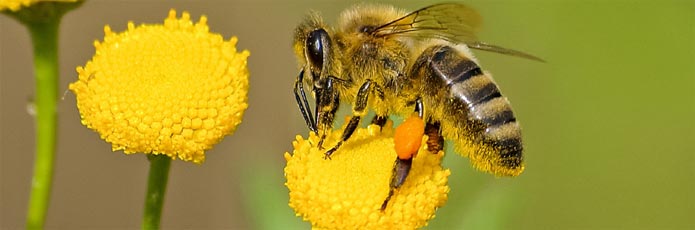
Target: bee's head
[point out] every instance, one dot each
(312, 45)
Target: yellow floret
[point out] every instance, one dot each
(347, 191)
(173, 89)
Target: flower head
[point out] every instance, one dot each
(173, 89)
(347, 191)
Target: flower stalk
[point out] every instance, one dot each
(44, 35)
(156, 189)
(42, 20)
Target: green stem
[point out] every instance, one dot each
(44, 36)
(42, 19)
(156, 189)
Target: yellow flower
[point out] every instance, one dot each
(347, 191)
(172, 89)
(14, 5)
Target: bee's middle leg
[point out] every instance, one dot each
(380, 120)
(359, 109)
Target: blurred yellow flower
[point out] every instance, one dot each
(14, 5)
(347, 191)
(173, 89)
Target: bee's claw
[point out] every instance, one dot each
(321, 142)
(328, 153)
(386, 201)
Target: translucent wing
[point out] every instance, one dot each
(448, 21)
(452, 22)
(497, 49)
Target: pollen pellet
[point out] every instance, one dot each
(408, 137)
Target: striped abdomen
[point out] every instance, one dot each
(473, 106)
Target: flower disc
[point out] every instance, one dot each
(173, 89)
(347, 191)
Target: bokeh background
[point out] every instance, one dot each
(608, 121)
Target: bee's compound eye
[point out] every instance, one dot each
(315, 46)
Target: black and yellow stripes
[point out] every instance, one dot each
(475, 105)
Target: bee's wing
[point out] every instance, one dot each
(497, 49)
(452, 22)
(449, 21)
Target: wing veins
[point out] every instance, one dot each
(451, 22)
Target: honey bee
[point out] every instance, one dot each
(399, 63)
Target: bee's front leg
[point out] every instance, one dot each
(327, 102)
(303, 104)
(359, 109)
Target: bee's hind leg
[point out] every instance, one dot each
(415, 129)
(380, 120)
(435, 141)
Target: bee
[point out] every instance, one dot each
(399, 63)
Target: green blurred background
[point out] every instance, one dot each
(608, 121)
